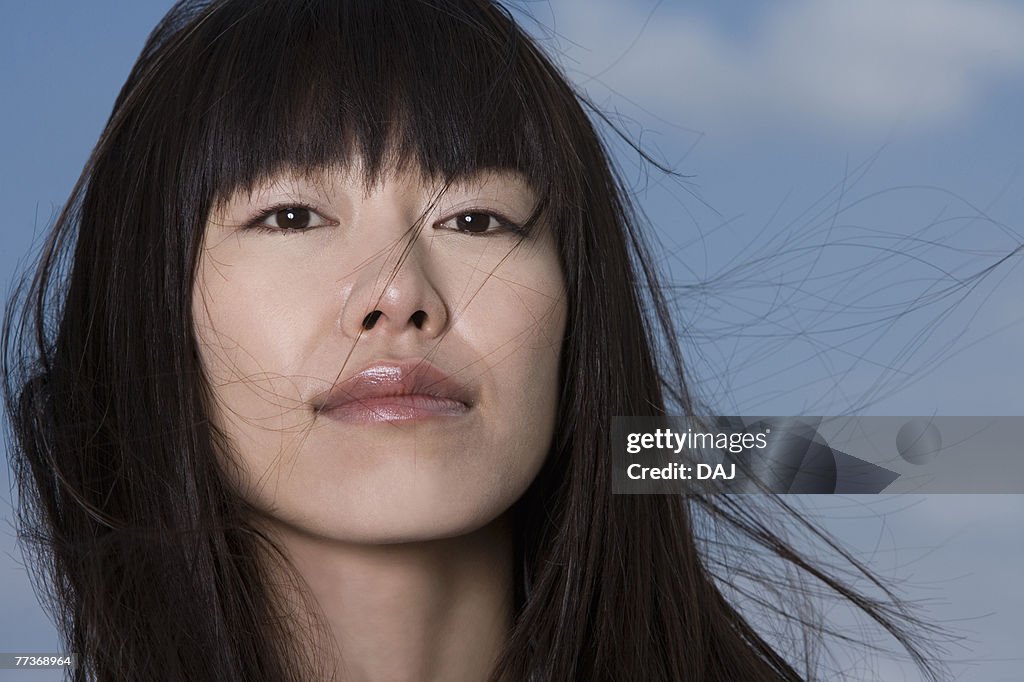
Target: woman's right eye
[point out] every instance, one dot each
(288, 219)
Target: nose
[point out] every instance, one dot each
(396, 297)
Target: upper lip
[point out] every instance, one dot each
(388, 378)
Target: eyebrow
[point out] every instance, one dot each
(484, 174)
(322, 180)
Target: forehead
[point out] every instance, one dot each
(453, 88)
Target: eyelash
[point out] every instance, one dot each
(504, 224)
(258, 223)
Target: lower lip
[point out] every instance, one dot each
(395, 408)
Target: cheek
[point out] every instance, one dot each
(518, 325)
(520, 313)
(516, 313)
(252, 339)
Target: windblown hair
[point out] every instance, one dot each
(148, 559)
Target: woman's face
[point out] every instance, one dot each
(381, 382)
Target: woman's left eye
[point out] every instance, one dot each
(288, 219)
(480, 222)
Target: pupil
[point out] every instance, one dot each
(475, 222)
(293, 218)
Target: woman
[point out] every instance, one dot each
(315, 376)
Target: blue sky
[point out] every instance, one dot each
(887, 130)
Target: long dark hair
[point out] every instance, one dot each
(148, 558)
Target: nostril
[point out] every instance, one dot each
(371, 319)
(419, 318)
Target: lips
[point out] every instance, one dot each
(396, 391)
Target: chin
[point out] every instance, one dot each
(394, 490)
(396, 531)
(400, 514)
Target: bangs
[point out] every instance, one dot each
(451, 87)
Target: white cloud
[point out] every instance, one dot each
(858, 66)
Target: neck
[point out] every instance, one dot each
(424, 611)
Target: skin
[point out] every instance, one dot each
(399, 528)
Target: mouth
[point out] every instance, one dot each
(390, 391)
